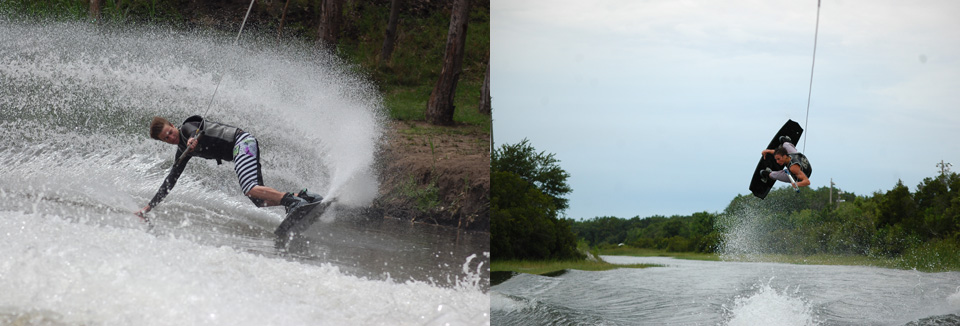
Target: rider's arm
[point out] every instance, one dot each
(170, 181)
(802, 179)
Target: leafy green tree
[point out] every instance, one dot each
(540, 169)
(672, 228)
(857, 227)
(519, 218)
(566, 241)
(524, 220)
(676, 233)
(952, 213)
(933, 200)
(604, 230)
(897, 207)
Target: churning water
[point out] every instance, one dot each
(728, 293)
(75, 101)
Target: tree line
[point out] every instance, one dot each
(693, 233)
(895, 223)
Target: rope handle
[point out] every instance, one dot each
(187, 152)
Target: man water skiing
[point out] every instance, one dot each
(795, 162)
(220, 142)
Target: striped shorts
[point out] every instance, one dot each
(246, 162)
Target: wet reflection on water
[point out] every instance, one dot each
(399, 250)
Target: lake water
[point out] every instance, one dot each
(728, 293)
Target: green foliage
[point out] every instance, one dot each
(935, 256)
(410, 75)
(695, 233)
(540, 169)
(897, 206)
(425, 197)
(54, 9)
(524, 221)
(118, 11)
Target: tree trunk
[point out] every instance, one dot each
(95, 9)
(485, 92)
(440, 108)
(331, 14)
(391, 37)
(283, 17)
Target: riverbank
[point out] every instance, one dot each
(437, 175)
(545, 267)
(644, 252)
(502, 270)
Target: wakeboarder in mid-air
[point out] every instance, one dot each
(795, 164)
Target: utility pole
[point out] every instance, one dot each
(830, 201)
(839, 192)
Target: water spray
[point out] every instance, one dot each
(237, 62)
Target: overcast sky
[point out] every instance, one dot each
(662, 107)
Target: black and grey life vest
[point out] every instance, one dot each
(216, 143)
(800, 159)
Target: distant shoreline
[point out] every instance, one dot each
(816, 259)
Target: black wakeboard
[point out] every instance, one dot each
(759, 188)
(301, 218)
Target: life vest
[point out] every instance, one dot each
(801, 160)
(216, 143)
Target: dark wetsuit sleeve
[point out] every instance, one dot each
(171, 179)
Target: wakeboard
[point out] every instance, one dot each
(760, 188)
(301, 218)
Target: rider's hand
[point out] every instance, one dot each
(142, 212)
(764, 153)
(192, 144)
